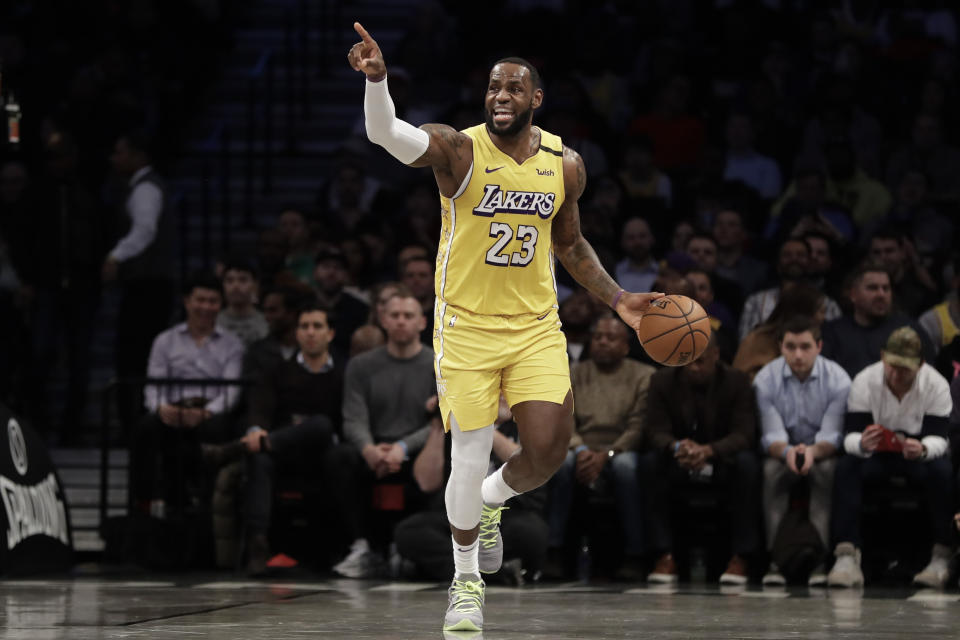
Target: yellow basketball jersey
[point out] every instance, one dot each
(496, 248)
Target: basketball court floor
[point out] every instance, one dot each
(180, 607)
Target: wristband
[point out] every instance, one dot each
(616, 299)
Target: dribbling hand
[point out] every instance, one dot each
(632, 306)
(366, 57)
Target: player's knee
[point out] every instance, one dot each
(547, 460)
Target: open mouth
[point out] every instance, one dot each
(502, 116)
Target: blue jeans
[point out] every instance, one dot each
(621, 473)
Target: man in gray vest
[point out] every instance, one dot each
(142, 262)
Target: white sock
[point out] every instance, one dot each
(466, 560)
(495, 490)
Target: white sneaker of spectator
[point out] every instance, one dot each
(935, 574)
(773, 577)
(846, 570)
(361, 562)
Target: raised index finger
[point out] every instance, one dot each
(363, 33)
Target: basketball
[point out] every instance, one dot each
(674, 331)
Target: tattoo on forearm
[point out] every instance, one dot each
(581, 261)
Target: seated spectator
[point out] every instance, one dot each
(915, 216)
(853, 340)
(732, 263)
(349, 312)
(271, 256)
(682, 230)
(721, 320)
(280, 312)
(802, 400)
(380, 294)
(805, 207)
(240, 315)
(702, 247)
(913, 288)
(576, 315)
(903, 395)
(292, 419)
(366, 338)
(930, 152)
(640, 177)
(424, 537)
(942, 322)
(762, 345)
(417, 275)
(181, 417)
(745, 164)
(821, 269)
(792, 263)
(701, 429)
(300, 252)
(638, 269)
(386, 422)
(611, 393)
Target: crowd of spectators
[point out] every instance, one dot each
(792, 169)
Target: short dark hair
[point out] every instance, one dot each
(427, 259)
(311, 306)
(400, 291)
(202, 280)
(799, 324)
(534, 74)
(865, 267)
(887, 233)
(293, 297)
(793, 239)
(235, 263)
(710, 277)
(702, 235)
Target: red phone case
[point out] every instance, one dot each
(890, 443)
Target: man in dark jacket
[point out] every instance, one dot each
(701, 429)
(292, 418)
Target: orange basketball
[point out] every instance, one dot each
(674, 331)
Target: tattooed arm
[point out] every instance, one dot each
(576, 254)
(573, 250)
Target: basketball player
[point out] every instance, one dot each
(509, 205)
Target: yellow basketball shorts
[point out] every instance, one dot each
(478, 356)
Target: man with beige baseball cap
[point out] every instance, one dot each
(896, 424)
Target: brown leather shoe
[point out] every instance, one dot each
(736, 572)
(664, 571)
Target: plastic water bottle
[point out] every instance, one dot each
(584, 561)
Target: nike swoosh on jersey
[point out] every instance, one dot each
(489, 170)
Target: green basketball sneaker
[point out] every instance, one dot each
(490, 540)
(465, 611)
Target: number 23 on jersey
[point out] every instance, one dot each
(503, 234)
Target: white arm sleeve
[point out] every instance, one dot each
(404, 141)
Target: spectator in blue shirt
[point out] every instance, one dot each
(183, 416)
(802, 399)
